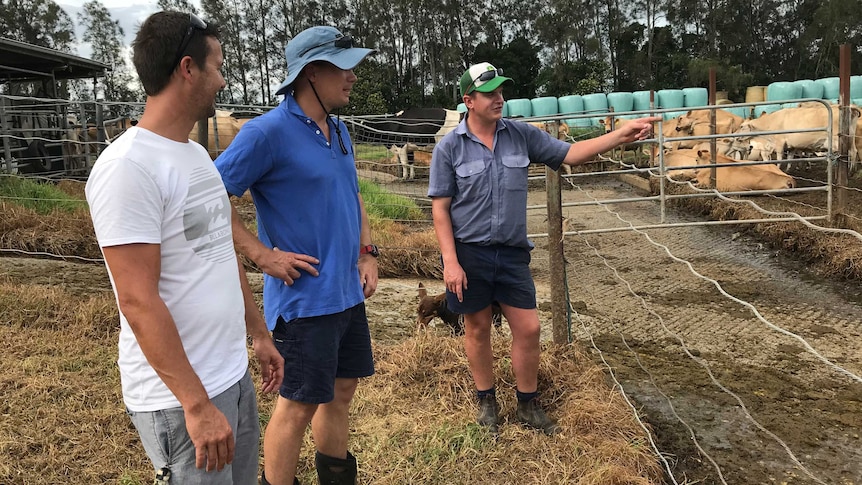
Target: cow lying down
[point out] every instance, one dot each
(744, 177)
(435, 306)
(728, 179)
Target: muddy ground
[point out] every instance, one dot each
(736, 394)
(761, 389)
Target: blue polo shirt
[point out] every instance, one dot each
(305, 191)
(489, 188)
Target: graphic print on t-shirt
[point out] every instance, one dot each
(206, 217)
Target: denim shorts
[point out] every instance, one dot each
(168, 445)
(494, 273)
(317, 350)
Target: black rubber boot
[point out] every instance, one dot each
(335, 471)
(532, 415)
(489, 411)
(264, 482)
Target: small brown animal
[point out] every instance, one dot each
(435, 306)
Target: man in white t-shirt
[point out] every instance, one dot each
(163, 220)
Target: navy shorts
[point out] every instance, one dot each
(494, 273)
(316, 350)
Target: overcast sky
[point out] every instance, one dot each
(130, 13)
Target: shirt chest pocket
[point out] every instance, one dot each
(471, 168)
(515, 172)
(471, 176)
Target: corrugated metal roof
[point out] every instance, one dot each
(20, 61)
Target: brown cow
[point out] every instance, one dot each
(741, 178)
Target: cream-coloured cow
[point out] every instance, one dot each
(744, 177)
(218, 139)
(723, 146)
(725, 122)
(804, 117)
(685, 157)
(547, 126)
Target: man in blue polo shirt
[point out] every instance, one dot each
(478, 187)
(298, 163)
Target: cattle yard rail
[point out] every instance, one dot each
(56, 137)
(62, 138)
(659, 172)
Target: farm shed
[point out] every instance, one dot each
(31, 129)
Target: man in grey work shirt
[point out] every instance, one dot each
(478, 187)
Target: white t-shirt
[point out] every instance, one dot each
(145, 188)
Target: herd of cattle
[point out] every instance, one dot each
(805, 136)
(410, 134)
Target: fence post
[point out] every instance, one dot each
(842, 164)
(4, 130)
(556, 260)
(204, 133)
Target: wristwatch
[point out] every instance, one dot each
(370, 249)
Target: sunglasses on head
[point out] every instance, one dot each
(341, 41)
(483, 78)
(195, 23)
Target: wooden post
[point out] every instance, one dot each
(712, 148)
(4, 129)
(842, 165)
(559, 297)
(204, 133)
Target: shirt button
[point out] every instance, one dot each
(308, 122)
(317, 131)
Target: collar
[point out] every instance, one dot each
(461, 129)
(289, 103)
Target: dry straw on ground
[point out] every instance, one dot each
(413, 421)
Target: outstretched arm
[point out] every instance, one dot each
(582, 151)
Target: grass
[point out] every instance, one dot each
(382, 204)
(372, 153)
(42, 197)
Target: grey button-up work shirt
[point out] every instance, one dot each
(489, 188)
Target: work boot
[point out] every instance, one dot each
(532, 415)
(489, 411)
(335, 471)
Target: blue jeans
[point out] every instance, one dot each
(168, 445)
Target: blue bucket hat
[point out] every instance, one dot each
(320, 43)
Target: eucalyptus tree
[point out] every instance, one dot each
(828, 24)
(570, 32)
(237, 63)
(255, 24)
(178, 6)
(105, 36)
(650, 13)
(39, 22)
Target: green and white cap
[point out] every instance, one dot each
(482, 77)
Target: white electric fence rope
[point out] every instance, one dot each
(57, 256)
(698, 360)
(667, 398)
